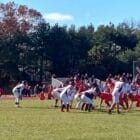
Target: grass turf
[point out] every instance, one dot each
(38, 120)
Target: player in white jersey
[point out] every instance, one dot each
(64, 96)
(17, 91)
(56, 94)
(116, 93)
(71, 95)
(87, 97)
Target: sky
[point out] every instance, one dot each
(84, 12)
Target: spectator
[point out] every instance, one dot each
(36, 89)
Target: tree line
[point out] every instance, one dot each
(32, 49)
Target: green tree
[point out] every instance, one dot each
(16, 23)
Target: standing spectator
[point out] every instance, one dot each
(28, 91)
(44, 87)
(1, 91)
(36, 89)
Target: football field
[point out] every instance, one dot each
(39, 120)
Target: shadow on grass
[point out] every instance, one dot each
(40, 107)
(134, 111)
(87, 112)
(97, 111)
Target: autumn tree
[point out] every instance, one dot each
(16, 23)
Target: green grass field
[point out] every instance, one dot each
(39, 120)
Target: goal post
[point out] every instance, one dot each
(136, 68)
